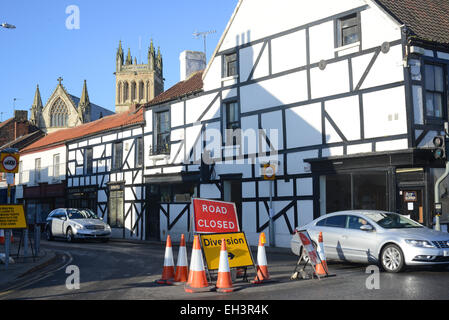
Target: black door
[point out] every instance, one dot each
(152, 213)
(411, 203)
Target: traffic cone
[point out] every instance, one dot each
(321, 268)
(262, 268)
(168, 272)
(224, 281)
(182, 268)
(197, 281)
(2, 237)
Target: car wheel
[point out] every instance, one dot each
(392, 258)
(69, 235)
(48, 234)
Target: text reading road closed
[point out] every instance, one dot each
(215, 216)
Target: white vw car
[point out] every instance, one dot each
(76, 224)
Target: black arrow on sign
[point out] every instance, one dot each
(231, 255)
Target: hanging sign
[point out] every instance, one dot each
(213, 216)
(236, 245)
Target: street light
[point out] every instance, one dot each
(8, 26)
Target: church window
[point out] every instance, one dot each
(141, 90)
(59, 114)
(133, 91)
(119, 93)
(126, 92)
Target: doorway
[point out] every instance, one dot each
(410, 203)
(152, 213)
(232, 192)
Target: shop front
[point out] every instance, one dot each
(398, 181)
(40, 200)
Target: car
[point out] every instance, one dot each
(377, 237)
(71, 224)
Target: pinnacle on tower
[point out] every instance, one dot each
(129, 59)
(120, 53)
(36, 108)
(84, 105)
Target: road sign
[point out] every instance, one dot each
(9, 162)
(213, 216)
(12, 217)
(269, 171)
(236, 245)
(310, 249)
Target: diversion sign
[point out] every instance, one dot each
(236, 245)
(12, 217)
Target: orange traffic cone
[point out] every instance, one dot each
(321, 268)
(262, 268)
(168, 272)
(224, 281)
(182, 268)
(197, 281)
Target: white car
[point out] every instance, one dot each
(74, 224)
(370, 236)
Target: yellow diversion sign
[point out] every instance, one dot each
(239, 254)
(12, 217)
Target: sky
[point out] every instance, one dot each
(50, 42)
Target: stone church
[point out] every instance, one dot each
(64, 110)
(137, 83)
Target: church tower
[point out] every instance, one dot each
(137, 83)
(36, 109)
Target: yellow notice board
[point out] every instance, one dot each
(12, 217)
(239, 254)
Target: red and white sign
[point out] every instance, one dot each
(311, 251)
(213, 216)
(9, 163)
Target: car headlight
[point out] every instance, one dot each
(78, 226)
(420, 243)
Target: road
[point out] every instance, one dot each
(127, 271)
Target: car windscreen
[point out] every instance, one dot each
(90, 214)
(392, 220)
(77, 214)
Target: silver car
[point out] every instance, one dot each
(377, 237)
(74, 224)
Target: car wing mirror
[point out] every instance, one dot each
(63, 218)
(366, 227)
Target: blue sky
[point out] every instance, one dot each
(42, 49)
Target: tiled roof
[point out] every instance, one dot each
(427, 19)
(189, 86)
(60, 137)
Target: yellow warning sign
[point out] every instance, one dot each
(12, 217)
(239, 254)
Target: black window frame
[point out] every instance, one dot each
(233, 125)
(117, 155)
(344, 23)
(88, 161)
(139, 152)
(230, 64)
(158, 148)
(432, 119)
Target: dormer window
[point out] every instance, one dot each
(348, 30)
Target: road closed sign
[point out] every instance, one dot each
(9, 163)
(236, 246)
(213, 216)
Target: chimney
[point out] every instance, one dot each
(20, 115)
(191, 61)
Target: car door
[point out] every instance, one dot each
(358, 245)
(57, 223)
(332, 228)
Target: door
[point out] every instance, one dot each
(57, 224)
(410, 203)
(152, 213)
(358, 245)
(233, 193)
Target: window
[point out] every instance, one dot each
(133, 91)
(117, 156)
(125, 92)
(37, 170)
(230, 65)
(88, 161)
(162, 143)
(139, 152)
(56, 166)
(336, 222)
(141, 90)
(116, 217)
(435, 90)
(232, 123)
(59, 114)
(355, 222)
(348, 30)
